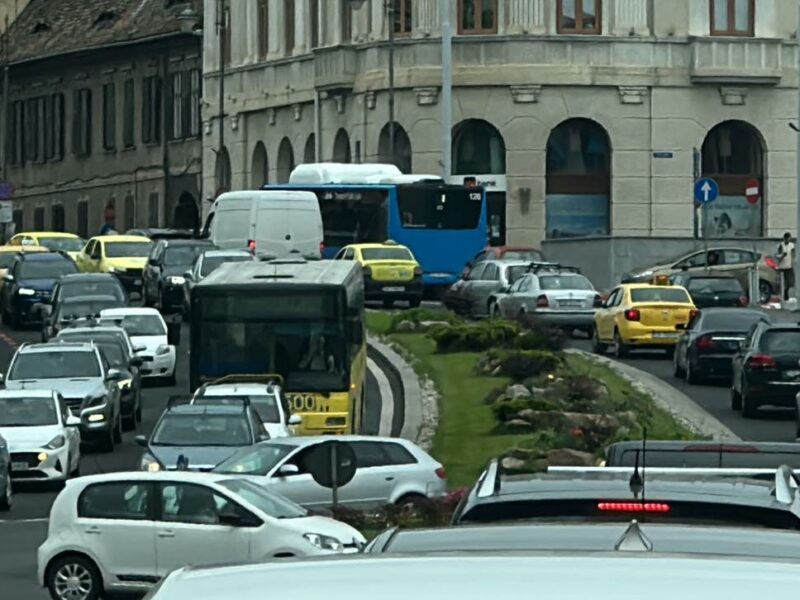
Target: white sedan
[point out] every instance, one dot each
(121, 532)
(41, 433)
(146, 328)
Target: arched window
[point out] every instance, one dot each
(259, 171)
(222, 171)
(185, 214)
(733, 155)
(341, 147)
(310, 151)
(285, 160)
(401, 157)
(578, 180)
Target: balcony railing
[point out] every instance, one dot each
(335, 68)
(737, 60)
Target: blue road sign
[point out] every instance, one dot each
(706, 190)
(6, 190)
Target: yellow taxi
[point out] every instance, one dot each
(56, 241)
(123, 255)
(391, 273)
(8, 254)
(641, 315)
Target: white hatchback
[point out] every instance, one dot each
(125, 531)
(41, 433)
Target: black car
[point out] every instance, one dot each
(711, 339)
(73, 310)
(700, 454)
(30, 281)
(766, 370)
(88, 284)
(164, 274)
(712, 290)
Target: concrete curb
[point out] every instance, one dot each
(668, 398)
(412, 391)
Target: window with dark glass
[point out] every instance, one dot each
(151, 110)
(109, 116)
(402, 17)
(82, 122)
(53, 127)
(38, 218)
(195, 94)
(130, 221)
(83, 219)
(263, 28)
(124, 500)
(579, 16)
(732, 17)
(34, 150)
(477, 16)
(176, 110)
(58, 218)
(288, 27)
(226, 26)
(128, 114)
(313, 25)
(152, 202)
(346, 23)
(16, 133)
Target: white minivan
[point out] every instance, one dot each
(275, 222)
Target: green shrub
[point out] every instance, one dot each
(474, 337)
(521, 364)
(538, 336)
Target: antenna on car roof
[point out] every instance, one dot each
(636, 481)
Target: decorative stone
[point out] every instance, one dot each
(340, 103)
(632, 94)
(510, 463)
(298, 111)
(370, 96)
(525, 94)
(271, 116)
(208, 127)
(567, 457)
(733, 96)
(235, 122)
(405, 326)
(427, 96)
(517, 391)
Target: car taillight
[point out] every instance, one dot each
(761, 361)
(652, 507)
(441, 473)
(321, 248)
(693, 313)
(251, 245)
(542, 302)
(633, 314)
(744, 300)
(771, 263)
(704, 342)
(417, 270)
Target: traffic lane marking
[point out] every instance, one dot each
(15, 521)
(386, 404)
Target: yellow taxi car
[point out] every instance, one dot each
(56, 241)
(8, 254)
(641, 315)
(391, 273)
(123, 255)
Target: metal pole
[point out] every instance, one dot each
(697, 169)
(334, 479)
(797, 178)
(221, 38)
(391, 15)
(447, 89)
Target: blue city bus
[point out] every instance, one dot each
(444, 225)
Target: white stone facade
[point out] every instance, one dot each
(654, 78)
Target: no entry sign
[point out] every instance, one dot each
(752, 191)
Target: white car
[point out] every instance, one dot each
(146, 328)
(123, 532)
(388, 470)
(265, 398)
(41, 433)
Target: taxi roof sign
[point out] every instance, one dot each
(661, 280)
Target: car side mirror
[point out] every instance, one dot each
(152, 262)
(139, 348)
(599, 302)
(295, 420)
(137, 361)
(680, 326)
(114, 375)
(174, 333)
(288, 470)
(8, 277)
(2, 378)
(188, 275)
(73, 421)
(141, 440)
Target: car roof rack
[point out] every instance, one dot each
(535, 267)
(203, 400)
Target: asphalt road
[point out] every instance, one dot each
(25, 526)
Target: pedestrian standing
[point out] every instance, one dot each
(786, 257)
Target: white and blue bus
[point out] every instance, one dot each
(443, 225)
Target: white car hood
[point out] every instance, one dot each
(150, 342)
(325, 526)
(22, 439)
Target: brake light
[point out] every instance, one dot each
(633, 314)
(542, 302)
(704, 342)
(771, 263)
(744, 300)
(761, 361)
(651, 507)
(417, 270)
(251, 245)
(441, 473)
(321, 248)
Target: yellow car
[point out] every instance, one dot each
(641, 315)
(8, 254)
(391, 273)
(123, 255)
(56, 241)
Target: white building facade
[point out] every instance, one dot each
(582, 117)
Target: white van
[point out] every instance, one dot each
(267, 222)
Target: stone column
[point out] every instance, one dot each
(426, 18)
(300, 20)
(526, 16)
(630, 15)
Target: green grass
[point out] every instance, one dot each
(379, 322)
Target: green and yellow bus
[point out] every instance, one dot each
(302, 320)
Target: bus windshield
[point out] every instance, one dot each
(438, 207)
(298, 335)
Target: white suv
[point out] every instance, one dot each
(125, 531)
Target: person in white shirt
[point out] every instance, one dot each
(786, 259)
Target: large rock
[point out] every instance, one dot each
(517, 425)
(567, 457)
(430, 324)
(517, 391)
(564, 421)
(405, 326)
(511, 463)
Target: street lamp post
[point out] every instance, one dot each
(797, 177)
(221, 36)
(390, 11)
(447, 90)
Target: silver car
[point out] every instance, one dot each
(470, 295)
(204, 265)
(389, 470)
(553, 295)
(5, 476)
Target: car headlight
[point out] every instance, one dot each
(323, 542)
(176, 280)
(97, 418)
(162, 350)
(26, 292)
(56, 442)
(125, 384)
(150, 463)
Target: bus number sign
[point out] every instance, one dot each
(475, 196)
(303, 403)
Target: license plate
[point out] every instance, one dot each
(394, 289)
(570, 303)
(665, 335)
(19, 466)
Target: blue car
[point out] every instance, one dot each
(30, 281)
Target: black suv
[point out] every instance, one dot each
(163, 276)
(30, 281)
(70, 311)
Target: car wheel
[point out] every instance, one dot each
(74, 577)
(692, 376)
(765, 291)
(677, 371)
(412, 502)
(620, 349)
(749, 406)
(5, 500)
(171, 380)
(138, 412)
(76, 472)
(494, 310)
(598, 347)
(736, 399)
(129, 423)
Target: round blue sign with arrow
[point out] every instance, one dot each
(706, 190)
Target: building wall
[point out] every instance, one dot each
(9, 9)
(656, 80)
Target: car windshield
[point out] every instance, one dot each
(709, 285)
(27, 412)
(183, 255)
(127, 249)
(79, 309)
(515, 272)
(203, 429)
(46, 269)
(732, 320)
(386, 254)
(74, 289)
(529, 255)
(55, 365)
(272, 504)
(210, 263)
(65, 244)
(114, 353)
(142, 325)
(781, 341)
(258, 460)
(564, 282)
(266, 407)
(660, 294)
